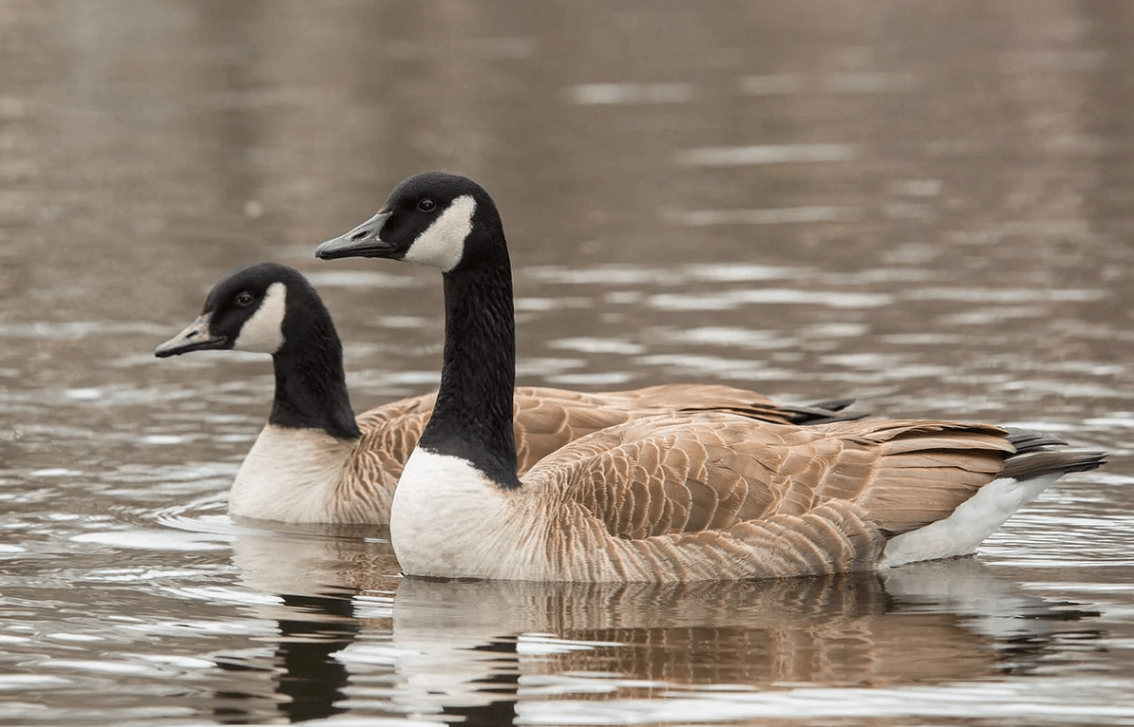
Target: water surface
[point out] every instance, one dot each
(923, 206)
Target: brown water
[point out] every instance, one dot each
(926, 206)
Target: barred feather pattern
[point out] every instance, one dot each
(546, 419)
(712, 497)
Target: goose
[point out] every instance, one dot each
(314, 462)
(682, 496)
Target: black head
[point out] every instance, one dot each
(251, 308)
(435, 219)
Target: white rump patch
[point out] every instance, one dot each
(263, 332)
(973, 521)
(443, 243)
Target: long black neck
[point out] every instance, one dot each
(311, 390)
(473, 415)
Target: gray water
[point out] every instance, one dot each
(925, 206)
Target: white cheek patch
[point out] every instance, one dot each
(263, 332)
(443, 243)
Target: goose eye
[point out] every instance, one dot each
(244, 299)
(427, 205)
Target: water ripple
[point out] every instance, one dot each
(729, 156)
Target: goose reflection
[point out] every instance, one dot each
(496, 645)
(353, 636)
(314, 575)
(306, 679)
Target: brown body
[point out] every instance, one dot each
(546, 419)
(715, 496)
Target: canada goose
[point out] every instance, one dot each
(314, 462)
(684, 496)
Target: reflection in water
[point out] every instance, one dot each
(924, 206)
(307, 677)
(349, 633)
(312, 679)
(463, 644)
(316, 572)
(323, 625)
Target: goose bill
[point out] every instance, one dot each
(195, 337)
(363, 241)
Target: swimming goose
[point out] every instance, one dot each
(314, 462)
(671, 497)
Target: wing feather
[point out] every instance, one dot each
(643, 474)
(546, 419)
(691, 473)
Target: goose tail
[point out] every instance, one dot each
(823, 412)
(1027, 472)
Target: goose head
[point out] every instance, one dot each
(252, 308)
(450, 223)
(270, 308)
(434, 219)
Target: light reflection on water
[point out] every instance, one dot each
(923, 207)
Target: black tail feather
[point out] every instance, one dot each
(823, 412)
(1033, 456)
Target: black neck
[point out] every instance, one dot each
(473, 415)
(311, 388)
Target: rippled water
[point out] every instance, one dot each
(926, 206)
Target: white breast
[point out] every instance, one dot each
(448, 520)
(290, 475)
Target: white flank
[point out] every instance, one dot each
(290, 475)
(972, 521)
(443, 243)
(447, 520)
(263, 332)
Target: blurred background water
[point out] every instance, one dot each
(925, 206)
